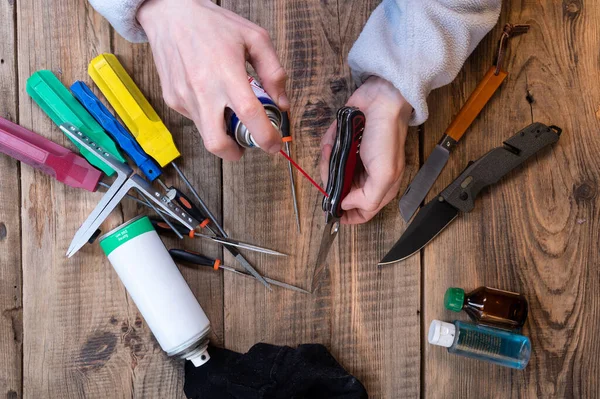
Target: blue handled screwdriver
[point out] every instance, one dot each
(116, 130)
(129, 144)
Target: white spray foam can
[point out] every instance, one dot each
(158, 289)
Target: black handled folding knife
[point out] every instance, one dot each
(460, 195)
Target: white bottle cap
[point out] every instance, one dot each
(441, 333)
(199, 358)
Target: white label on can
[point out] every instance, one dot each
(159, 291)
(257, 88)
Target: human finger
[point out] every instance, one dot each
(211, 126)
(252, 114)
(266, 64)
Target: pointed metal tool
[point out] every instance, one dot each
(182, 255)
(287, 139)
(164, 229)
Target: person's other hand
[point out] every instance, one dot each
(382, 149)
(200, 51)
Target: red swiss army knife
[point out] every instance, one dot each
(342, 166)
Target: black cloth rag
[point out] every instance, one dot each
(271, 372)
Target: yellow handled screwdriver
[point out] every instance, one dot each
(148, 129)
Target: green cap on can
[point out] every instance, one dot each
(128, 231)
(454, 299)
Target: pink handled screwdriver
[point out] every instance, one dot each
(48, 157)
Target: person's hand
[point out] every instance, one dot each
(382, 149)
(200, 51)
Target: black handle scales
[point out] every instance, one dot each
(183, 201)
(285, 125)
(344, 158)
(182, 255)
(494, 165)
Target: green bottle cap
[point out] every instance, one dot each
(454, 299)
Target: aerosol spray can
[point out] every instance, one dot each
(158, 289)
(240, 132)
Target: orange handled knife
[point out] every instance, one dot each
(431, 169)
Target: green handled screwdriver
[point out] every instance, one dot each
(60, 105)
(181, 255)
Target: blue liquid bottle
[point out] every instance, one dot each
(492, 345)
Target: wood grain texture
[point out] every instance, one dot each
(11, 316)
(537, 231)
(204, 171)
(78, 333)
(81, 336)
(367, 317)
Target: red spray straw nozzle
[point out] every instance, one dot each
(46, 156)
(314, 183)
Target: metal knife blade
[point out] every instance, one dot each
(428, 223)
(417, 190)
(460, 195)
(329, 233)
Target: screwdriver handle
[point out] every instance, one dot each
(115, 130)
(194, 258)
(163, 228)
(60, 105)
(133, 108)
(285, 127)
(46, 156)
(183, 201)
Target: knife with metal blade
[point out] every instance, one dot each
(431, 169)
(342, 166)
(460, 195)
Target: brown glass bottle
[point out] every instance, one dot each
(489, 306)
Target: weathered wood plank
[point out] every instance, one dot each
(80, 339)
(204, 171)
(11, 320)
(537, 231)
(368, 318)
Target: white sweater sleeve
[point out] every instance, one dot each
(122, 16)
(420, 45)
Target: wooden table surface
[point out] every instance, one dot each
(68, 328)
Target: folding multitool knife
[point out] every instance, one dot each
(342, 166)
